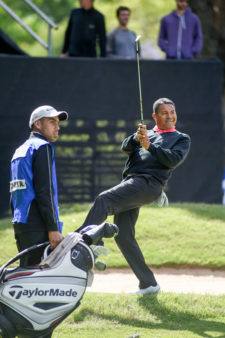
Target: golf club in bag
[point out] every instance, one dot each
(35, 300)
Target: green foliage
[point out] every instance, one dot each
(144, 20)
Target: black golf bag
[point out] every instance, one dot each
(35, 300)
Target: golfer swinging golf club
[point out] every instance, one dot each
(152, 157)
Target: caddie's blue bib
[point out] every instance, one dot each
(21, 184)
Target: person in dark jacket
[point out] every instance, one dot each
(33, 186)
(152, 157)
(180, 35)
(86, 27)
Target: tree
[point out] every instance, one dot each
(212, 16)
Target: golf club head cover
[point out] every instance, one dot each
(92, 234)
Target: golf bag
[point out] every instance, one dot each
(35, 300)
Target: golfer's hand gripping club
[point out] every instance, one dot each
(142, 136)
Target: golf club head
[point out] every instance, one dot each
(137, 38)
(137, 44)
(91, 234)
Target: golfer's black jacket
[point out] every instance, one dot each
(165, 153)
(42, 212)
(84, 28)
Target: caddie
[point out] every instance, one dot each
(33, 185)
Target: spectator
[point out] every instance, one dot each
(180, 35)
(33, 186)
(86, 27)
(121, 41)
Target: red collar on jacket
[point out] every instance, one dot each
(160, 131)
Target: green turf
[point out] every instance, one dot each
(164, 315)
(181, 235)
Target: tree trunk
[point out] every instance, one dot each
(206, 14)
(212, 16)
(219, 8)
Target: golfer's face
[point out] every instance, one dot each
(166, 117)
(49, 128)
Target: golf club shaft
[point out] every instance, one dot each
(139, 79)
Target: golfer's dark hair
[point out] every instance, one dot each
(160, 101)
(122, 8)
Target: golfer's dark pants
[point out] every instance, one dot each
(25, 240)
(124, 201)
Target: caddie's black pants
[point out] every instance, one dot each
(124, 201)
(27, 239)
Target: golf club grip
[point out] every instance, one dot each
(137, 47)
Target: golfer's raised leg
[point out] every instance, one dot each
(129, 194)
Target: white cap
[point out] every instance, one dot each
(46, 111)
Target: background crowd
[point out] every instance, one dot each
(143, 18)
(180, 35)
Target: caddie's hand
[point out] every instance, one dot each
(54, 238)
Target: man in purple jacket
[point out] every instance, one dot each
(180, 35)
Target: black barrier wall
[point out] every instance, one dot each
(102, 99)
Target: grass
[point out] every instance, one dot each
(182, 235)
(164, 315)
(189, 235)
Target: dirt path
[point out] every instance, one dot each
(196, 281)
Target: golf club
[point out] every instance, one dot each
(139, 76)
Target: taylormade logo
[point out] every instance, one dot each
(18, 291)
